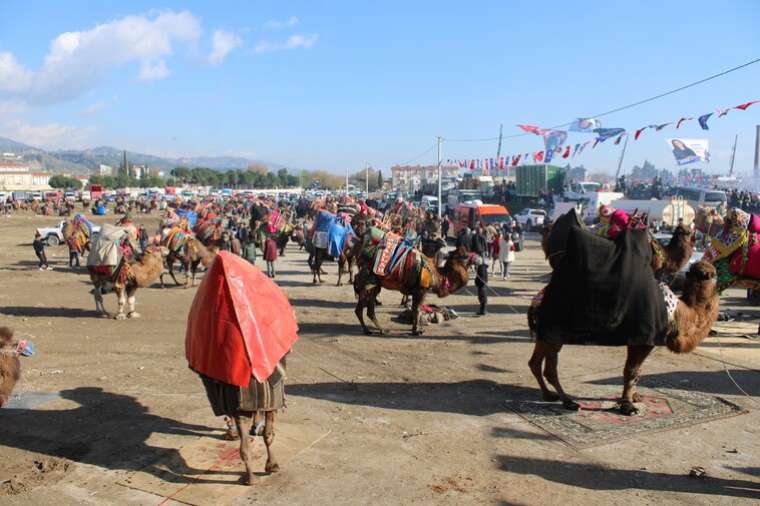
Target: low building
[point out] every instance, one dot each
(19, 178)
(105, 170)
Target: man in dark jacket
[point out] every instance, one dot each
(480, 248)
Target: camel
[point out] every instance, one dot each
(127, 278)
(189, 255)
(692, 318)
(419, 277)
(10, 365)
(77, 236)
(696, 312)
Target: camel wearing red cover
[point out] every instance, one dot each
(414, 282)
(129, 276)
(10, 365)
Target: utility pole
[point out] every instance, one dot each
(733, 156)
(498, 149)
(440, 204)
(620, 162)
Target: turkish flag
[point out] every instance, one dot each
(745, 105)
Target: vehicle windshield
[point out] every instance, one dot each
(490, 219)
(715, 197)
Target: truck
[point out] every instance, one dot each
(533, 179)
(96, 191)
(667, 211)
(53, 236)
(473, 213)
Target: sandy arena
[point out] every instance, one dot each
(107, 412)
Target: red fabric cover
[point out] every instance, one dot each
(754, 224)
(752, 267)
(618, 222)
(240, 323)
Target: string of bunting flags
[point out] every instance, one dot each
(554, 141)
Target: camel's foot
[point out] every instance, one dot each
(549, 396)
(627, 408)
(636, 397)
(272, 467)
(247, 479)
(120, 316)
(133, 314)
(367, 332)
(418, 332)
(570, 405)
(378, 303)
(231, 434)
(314, 281)
(104, 314)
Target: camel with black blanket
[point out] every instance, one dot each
(605, 293)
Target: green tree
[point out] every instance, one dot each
(379, 179)
(64, 182)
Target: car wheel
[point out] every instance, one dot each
(52, 240)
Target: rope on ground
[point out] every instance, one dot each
(725, 368)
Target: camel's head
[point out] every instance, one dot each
(701, 283)
(454, 272)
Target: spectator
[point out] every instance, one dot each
(480, 248)
(39, 250)
(506, 255)
(494, 250)
(270, 255)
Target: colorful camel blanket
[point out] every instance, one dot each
(603, 292)
(394, 257)
(175, 238)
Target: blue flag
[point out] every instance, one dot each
(703, 121)
(605, 133)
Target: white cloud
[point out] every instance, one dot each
(273, 24)
(223, 42)
(150, 71)
(293, 42)
(77, 61)
(47, 135)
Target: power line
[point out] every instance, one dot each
(628, 106)
(428, 150)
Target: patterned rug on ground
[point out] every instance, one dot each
(599, 421)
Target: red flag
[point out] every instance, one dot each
(638, 133)
(567, 152)
(745, 105)
(501, 163)
(538, 156)
(531, 129)
(678, 125)
(516, 160)
(620, 138)
(472, 164)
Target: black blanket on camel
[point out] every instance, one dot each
(602, 292)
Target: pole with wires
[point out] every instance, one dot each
(440, 180)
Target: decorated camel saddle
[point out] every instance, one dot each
(391, 258)
(77, 233)
(735, 250)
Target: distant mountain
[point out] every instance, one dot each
(85, 161)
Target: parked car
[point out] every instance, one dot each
(531, 218)
(53, 236)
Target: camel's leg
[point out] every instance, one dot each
(187, 264)
(122, 298)
(341, 264)
(634, 360)
(536, 361)
(271, 466)
(243, 424)
(359, 310)
(170, 265)
(351, 262)
(131, 301)
(552, 376)
(371, 301)
(99, 306)
(417, 298)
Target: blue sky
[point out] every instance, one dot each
(328, 84)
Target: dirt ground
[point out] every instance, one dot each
(391, 420)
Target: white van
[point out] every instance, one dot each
(429, 202)
(701, 197)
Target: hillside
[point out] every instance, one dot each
(87, 160)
